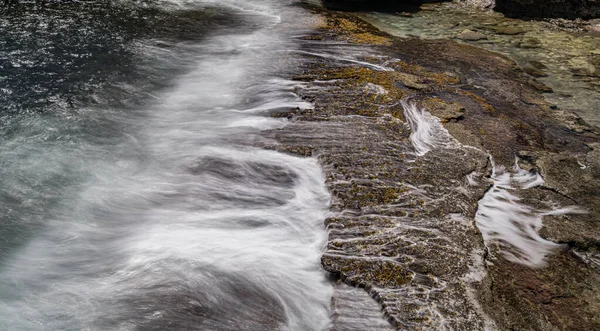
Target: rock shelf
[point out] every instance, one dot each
(402, 223)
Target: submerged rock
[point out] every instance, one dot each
(539, 86)
(470, 35)
(570, 9)
(533, 71)
(543, 41)
(582, 67)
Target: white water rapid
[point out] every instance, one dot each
(163, 216)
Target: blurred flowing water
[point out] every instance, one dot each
(131, 196)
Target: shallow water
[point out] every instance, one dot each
(570, 60)
(131, 196)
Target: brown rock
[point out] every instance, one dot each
(397, 231)
(412, 81)
(445, 111)
(539, 86)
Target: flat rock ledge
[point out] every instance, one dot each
(403, 223)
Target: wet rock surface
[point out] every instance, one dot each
(566, 48)
(403, 221)
(355, 310)
(445, 111)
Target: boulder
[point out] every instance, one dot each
(549, 8)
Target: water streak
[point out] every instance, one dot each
(427, 131)
(158, 213)
(513, 225)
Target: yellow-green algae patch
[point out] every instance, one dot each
(354, 31)
(368, 272)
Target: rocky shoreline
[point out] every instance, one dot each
(536, 9)
(560, 53)
(403, 215)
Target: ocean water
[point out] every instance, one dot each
(132, 196)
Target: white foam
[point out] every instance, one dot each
(427, 131)
(183, 221)
(512, 225)
(471, 180)
(526, 179)
(345, 59)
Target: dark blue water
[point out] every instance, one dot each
(131, 196)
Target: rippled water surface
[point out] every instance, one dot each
(131, 196)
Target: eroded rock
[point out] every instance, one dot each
(446, 111)
(402, 223)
